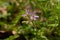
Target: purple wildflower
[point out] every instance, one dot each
(32, 15)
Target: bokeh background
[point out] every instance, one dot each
(29, 19)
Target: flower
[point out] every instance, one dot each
(32, 15)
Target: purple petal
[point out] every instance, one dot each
(36, 16)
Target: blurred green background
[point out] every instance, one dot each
(29, 19)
